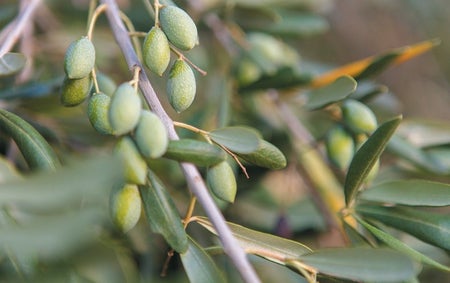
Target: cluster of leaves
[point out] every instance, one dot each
(57, 214)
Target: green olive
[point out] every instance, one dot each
(156, 51)
(75, 91)
(98, 107)
(179, 27)
(222, 182)
(79, 59)
(125, 207)
(181, 86)
(358, 117)
(135, 167)
(151, 135)
(125, 109)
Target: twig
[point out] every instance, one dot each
(20, 23)
(193, 177)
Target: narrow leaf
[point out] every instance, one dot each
(197, 152)
(11, 63)
(285, 77)
(237, 139)
(199, 266)
(267, 155)
(35, 149)
(268, 246)
(338, 90)
(430, 227)
(399, 245)
(357, 68)
(362, 264)
(409, 192)
(162, 215)
(366, 157)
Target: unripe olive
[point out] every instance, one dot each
(98, 107)
(179, 27)
(151, 136)
(106, 85)
(135, 167)
(221, 181)
(79, 59)
(358, 117)
(181, 86)
(156, 51)
(340, 147)
(74, 92)
(125, 207)
(125, 109)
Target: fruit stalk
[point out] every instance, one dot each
(193, 177)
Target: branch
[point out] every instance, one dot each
(193, 177)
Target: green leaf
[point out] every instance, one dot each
(162, 215)
(267, 155)
(366, 157)
(11, 63)
(293, 23)
(197, 152)
(341, 88)
(409, 192)
(237, 139)
(270, 247)
(362, 264)
(421, 159)
(399, 245)
(285, 77)
(378, 64)
(35, 149)
(199, 266)
(430, 227)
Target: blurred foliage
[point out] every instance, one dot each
(268, 69)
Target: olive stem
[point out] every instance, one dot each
(130, 27)
(157, 7)
(94, 78)
(190, 128)
(97, 12)
(234, 156)
(193, 178)
(184, 58)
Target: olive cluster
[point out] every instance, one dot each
(343, 141)
(175, 27)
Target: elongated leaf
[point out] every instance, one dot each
(268, 246)
(11, 63)
(35, 149)
(409, 192)
(365, 264)
(197, 152)
(366, 157)
(162, 215)
(419, 158)
(199, 266)
(297, 24)
(267, 155)
(338, 90)
(430, 227)
(399, 245)
(237, 139)
(285, 77)
(374, 64)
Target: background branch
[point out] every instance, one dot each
(193, 177)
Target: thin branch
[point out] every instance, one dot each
(22, 20)
(193, 177)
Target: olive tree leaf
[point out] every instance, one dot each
(197, 152)
(237, 139)
(430, 227)
(338, 90)
(398, 245)
(266, 155)
(270, 247)
(162, 215)
(362, 264)
(11, 63)
(366, 157)
(409, 192)
(35, 149)
(199, 266)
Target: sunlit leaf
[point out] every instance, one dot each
(398, 245)
(334, 92)
(366, 157)
(365, 264)
(11, 63)
(35, 149)
(426, 133)
(197, 152)
(266, 155)
(162, 214)
(199, 266)
(375, 64)
(268, 246)
(430, 227)
(409, 192)
(237, 139)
